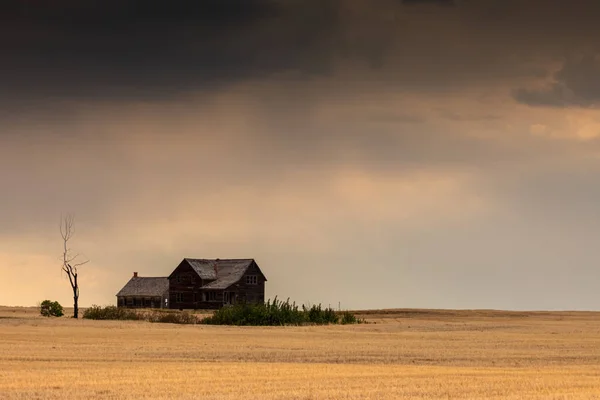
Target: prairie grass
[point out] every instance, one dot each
(278, 313)
(411, 354)
(272, 313)
(113, 313)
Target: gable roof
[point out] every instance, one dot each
(204, 268)
(145, 286)
(228, 277)
(228, 271)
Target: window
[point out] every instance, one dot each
(130, 301)
(251, 280)
(178, 297)
(178, 278)
(210, 296)
(193, 280)
(229, 297)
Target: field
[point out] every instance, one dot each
(401, 354)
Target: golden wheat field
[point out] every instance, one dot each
(401, 354)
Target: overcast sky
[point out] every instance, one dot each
(435, 154)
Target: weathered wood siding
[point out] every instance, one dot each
(186, 292)
(184, 287)
(141, 301)
(247, 292)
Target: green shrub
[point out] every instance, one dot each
(123, 314)
(271, 313)
(275, 313)
(51, 309)
(110, 313)
(349, 318)
(261, 314)
(319, 316)
(171, 317)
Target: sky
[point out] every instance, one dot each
(416, 153)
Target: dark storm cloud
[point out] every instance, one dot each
(577, 83)
(438, 2)
(110, 15)
(154, 49)
(111, 47)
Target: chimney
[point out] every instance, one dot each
(135, 274)
(217, 268)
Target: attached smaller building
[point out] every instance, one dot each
(144, 292)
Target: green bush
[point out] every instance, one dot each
(349, 318)
(319, 316)
(271, 313)
(51, 309)
(276, 313)
(125, 314)
(110, 313)
(171, 317)
(261, 314)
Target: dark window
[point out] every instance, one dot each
(251, 280)
(193, 279)
(178, 297)
(211, 296)
(229, 297)
(178, 278)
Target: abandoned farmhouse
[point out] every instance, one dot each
(197, 284)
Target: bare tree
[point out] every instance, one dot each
(70, 261)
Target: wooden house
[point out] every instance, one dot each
(208, 284)
(144, 292)
(197, 284)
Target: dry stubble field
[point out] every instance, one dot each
(404, 354)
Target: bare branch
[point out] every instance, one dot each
(66, 227)
(81, 263)
(69, 267)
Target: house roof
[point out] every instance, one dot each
(204, 268)
(145, 286)
(228, 278)
(228, 271)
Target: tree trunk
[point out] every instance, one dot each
(75, 298)
(75, 307)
